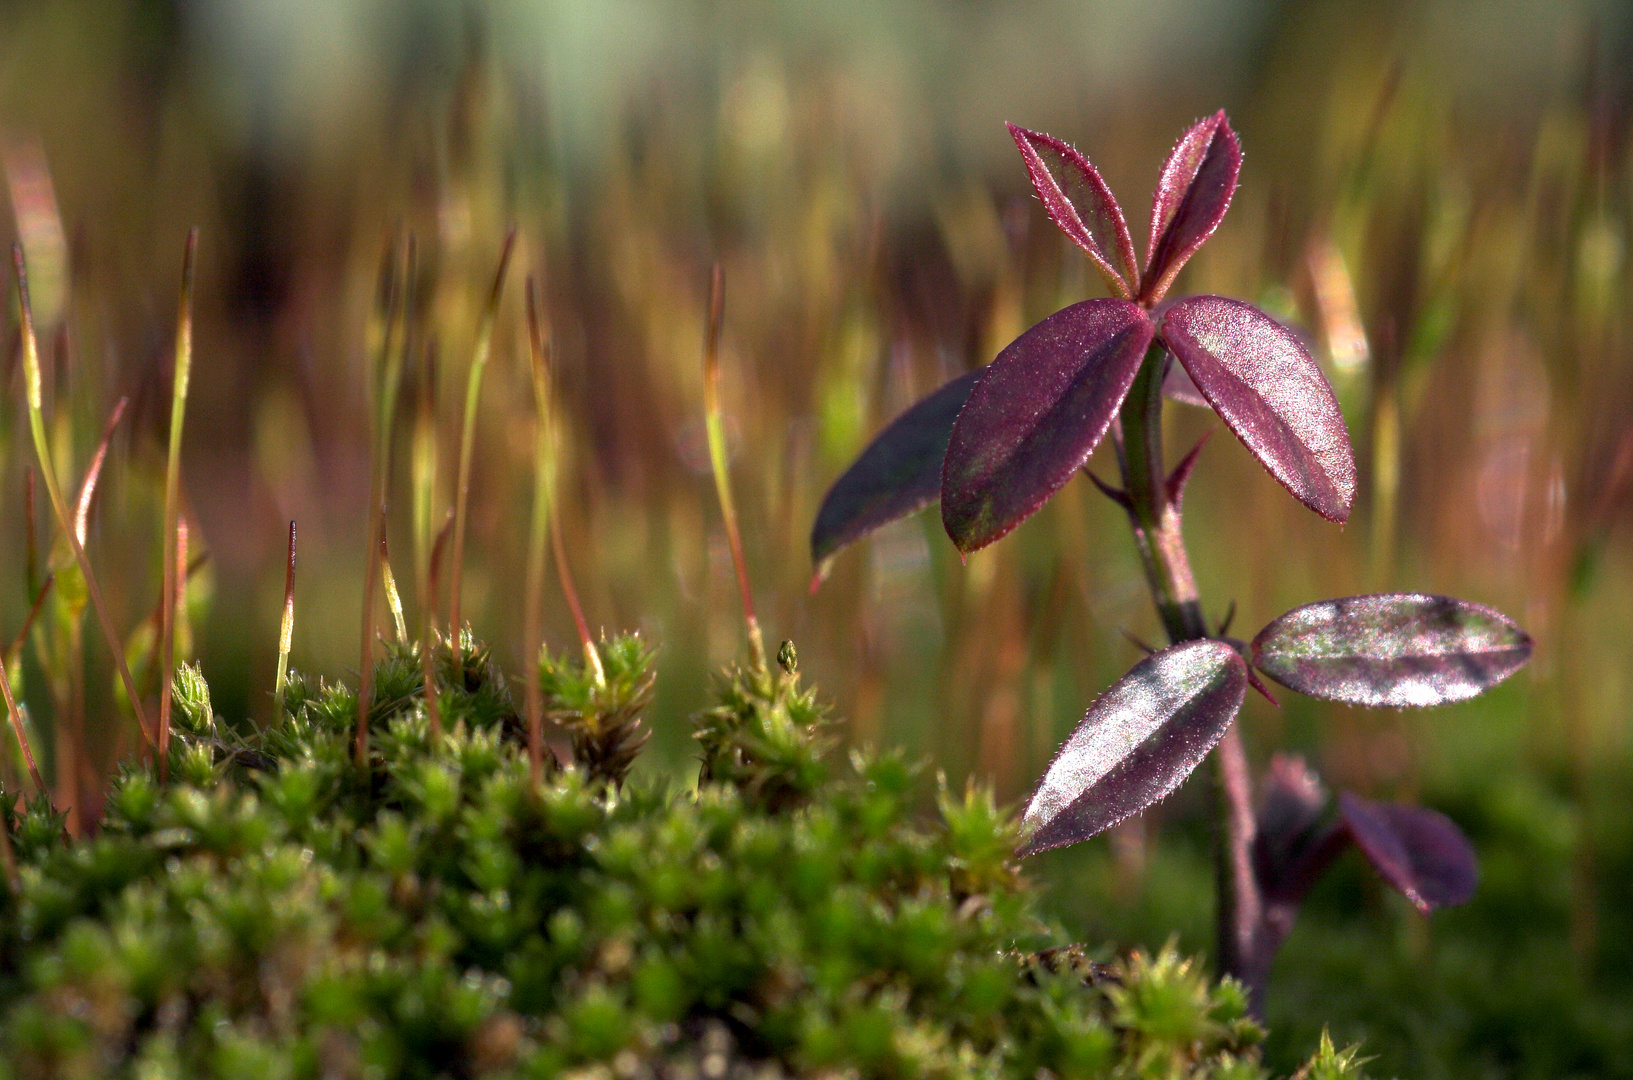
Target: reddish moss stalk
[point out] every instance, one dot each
(42, 450)
(467, 442)
(716, 427)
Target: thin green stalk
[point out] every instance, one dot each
(543, 492)
(467, 441)
(1155, 516)
(172, 490)
(42, 450)
(717, 461)
(286, 632)
(423, 465)
(384, 368)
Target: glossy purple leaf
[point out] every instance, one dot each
(1034, 418)
(1258, 377)
(898, 473)
(1081, 204)
(1416, 850)
(1138, 742)
(1394, 649)
(1192, 195)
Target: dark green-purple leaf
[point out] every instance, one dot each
(1394, 649)
(1258, 377)
(1137, 743)
(1081, 205)
(1037, 414)
(1416, 850)
(1292, 802)
(1192, 195)
(898, 473)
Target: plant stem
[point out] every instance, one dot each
(172, 491)
(718, 460)
(42, 450)
(385, 369)
(1156, 521)
(538, 536)
(467, 443)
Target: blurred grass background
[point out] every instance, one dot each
(1439, 193)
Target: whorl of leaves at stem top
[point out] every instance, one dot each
(1036, 413)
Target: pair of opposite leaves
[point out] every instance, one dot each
(993, 445)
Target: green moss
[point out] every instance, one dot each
(274, 913)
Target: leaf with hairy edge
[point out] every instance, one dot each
(1137, 743)
(1081, 204)
(1416, 850)
(1394, 649)
(1258, 377)
(898, 473)
(1037, 414)
(1192, 195)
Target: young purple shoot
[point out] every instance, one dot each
(172, 493)
(718, 462)
(42, 451)
(286, 632)
(538, 341)
(467, 440)
(1008, 437)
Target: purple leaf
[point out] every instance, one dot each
(1291, 804)
(1394, 649)
(1036, 415)
(1416, 850)
(1258, 377)
(1177, 386)
(1081, 204)
(1192, 196)
(898, 473)
(1138, 742)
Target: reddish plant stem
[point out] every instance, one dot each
(1155, 517)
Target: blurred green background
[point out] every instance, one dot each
(1439, 193)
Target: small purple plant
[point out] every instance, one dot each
(995, 444)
